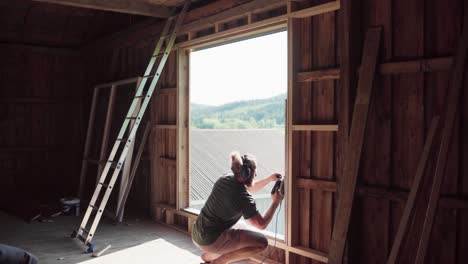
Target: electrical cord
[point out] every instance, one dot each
(276, 229)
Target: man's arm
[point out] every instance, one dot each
(258, 185)
(262, 222)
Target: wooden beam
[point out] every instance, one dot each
(136, 162)
(379, 192)
(316, 10)
(387, 68)
(167, 91)
(315, 127)
(354, 146)
(292, 216)
(413, 193)
(87, 148)
(414, 66)
(168, 161)
(106, 133)
(121, 6)
(125, 182)
(117, 83)
(453, 101)
(165, 126)
(256, 26)
(182, 141)
(315, 184)
(230, 13)
(319, 75)
(309, 253)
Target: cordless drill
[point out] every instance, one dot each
(279, 187)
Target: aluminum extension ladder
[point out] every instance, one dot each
(96, 207)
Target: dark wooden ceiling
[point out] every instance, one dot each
(41, 24)
(162, 2)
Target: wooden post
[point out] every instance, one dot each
(124, 180)
(354, 147)
(89, 134)
(414, 191)
(182, 144)
(105, 135)
(452, 106)
(136, 162)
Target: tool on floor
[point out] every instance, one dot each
(96, 207)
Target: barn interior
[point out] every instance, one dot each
(375, 127)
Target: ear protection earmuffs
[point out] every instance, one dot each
(245, 170)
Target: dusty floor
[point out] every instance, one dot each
(136, 241)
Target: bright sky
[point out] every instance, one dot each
(245, 70)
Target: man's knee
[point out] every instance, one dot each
(262, 242)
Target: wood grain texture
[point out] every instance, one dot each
(323, 143)
(121, 6)
(453, 102)
(40, 140)
(354, 147)
(414, 191)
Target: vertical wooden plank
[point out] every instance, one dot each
(453, 101)
(443, 22)
(373, 219)
(305, 149)
(92, 116)
(356, 138)
(121, 207)
(323, 111)
(107, 127)
(292, 218)
(349, 52)
(408, 108)
(182, 152)
(125, 182)
(462, 228)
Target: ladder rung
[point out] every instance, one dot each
(157, 56)
(166, 36)
(131, 117)
(139, 96)
(95, 208)
(82, 238)
(84, 230)
(105, 185)
(148, 76)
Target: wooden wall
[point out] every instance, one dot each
(400, 115)
(402, 108)
(315, 47)
(41, 122)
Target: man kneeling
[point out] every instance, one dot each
(215, 231)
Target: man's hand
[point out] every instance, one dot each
(276, 197)
(275, 177)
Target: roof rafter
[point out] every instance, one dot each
(121, 6)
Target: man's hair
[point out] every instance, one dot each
(236, 166)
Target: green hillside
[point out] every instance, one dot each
(262, 113)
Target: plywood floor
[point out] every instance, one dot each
(136, 241)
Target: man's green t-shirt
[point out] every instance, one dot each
(228, 201)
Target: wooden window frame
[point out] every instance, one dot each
(183, 120)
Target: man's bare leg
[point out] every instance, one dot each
(251, 243)
(237, 255)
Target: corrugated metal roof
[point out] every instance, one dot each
(210, 149)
